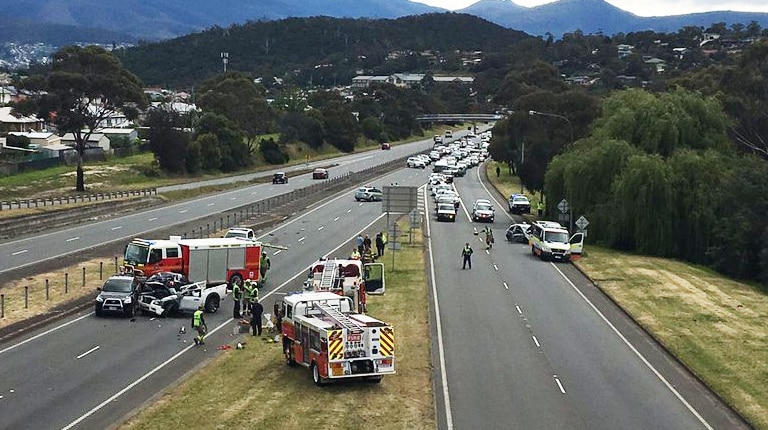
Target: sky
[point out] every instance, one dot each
(642, 8)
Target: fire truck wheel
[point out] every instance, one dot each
(316, 378)
(212, 304)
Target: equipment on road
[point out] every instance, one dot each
(324, 334)
(351, 278)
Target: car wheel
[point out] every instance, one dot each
(98, 311)
(212, 304)
(316, 378)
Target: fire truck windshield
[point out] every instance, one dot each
(136, 254)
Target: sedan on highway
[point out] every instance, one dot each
(446, 212)
(482, 211)
(320, 173)
(368, 194)
(280, 178)
(518, 233)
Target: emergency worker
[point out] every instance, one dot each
(264, 266)
(237, 295)
(466, 255)
(488, 238)
(256, 311)
(384, 239)
(247, 293)
(355, 254)
(540, 208)
(198, 324)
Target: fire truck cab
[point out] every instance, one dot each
(351, 278)
(326, 336)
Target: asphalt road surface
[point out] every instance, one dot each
(88, 372)
(524, 348)
(31, 250)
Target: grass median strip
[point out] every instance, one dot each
(715, 325)
(254, 388)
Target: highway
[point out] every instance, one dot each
(18, 253)
(520, 343)
(87, 372)
(525, 348)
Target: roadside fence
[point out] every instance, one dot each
(77, 198)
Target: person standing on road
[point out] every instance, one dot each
(198, 324)
(359, 243)
(366, 243)
(256, 310)
(247, 293)
(237, 295)
(466, 253)
(384, 239)
(379, 245)
(264, 265)
(540, 209)
(488, 238)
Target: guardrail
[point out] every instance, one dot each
(77, 198)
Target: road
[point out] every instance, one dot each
(87, 372)
(23, 252)
(526, 346)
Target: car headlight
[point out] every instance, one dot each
(99, 298)
(127, 299)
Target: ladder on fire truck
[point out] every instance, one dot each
(328, 278)
(347, 323)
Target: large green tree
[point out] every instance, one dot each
(84, 87)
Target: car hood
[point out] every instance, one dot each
(483, 212)
(113, 295)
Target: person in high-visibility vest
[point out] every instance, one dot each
(247, 292)
(237, 295)
(384, 240)
(264, 265)
(355, 254)
(540, 208)
(198, 324)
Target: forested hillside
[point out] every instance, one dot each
(317, 50)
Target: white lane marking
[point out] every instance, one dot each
(20, 252)
(183, 211)
(487, 252)
(320, 228)
(254, 193)
(37, 336)
(496, 267)
(350, 210)
(116, 228)
(210, 204)
(536, 341)
(234, 198)
(72, 239)
(440, 347)
(302, 238)
(519, 311)
(505, 285)
(88, 352)
(559, 384)
(278, 251)
(637, 353)
(152, 219)
(336, 219)
(359, 204)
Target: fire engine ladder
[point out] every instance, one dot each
(347, 323)
(328, 277)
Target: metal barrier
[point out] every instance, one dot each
(77, 198)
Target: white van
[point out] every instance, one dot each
(448, 133)
(550, 241)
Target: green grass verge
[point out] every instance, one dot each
(254, 388)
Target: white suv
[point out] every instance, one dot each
(369, 194)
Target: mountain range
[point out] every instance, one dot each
(132, 20)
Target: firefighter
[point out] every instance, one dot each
(540, 209)
(488, 238)
(256, 311)
(367, 255)
(237, 295)
(379, 245)
(355, 254)
(198, 324)
(247, 293)
(384, 240)
(264, 266)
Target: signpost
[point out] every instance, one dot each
(564, 206)
(582, 224)
(399, 200)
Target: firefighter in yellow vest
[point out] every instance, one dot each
(198, 324)
(248, 288)
(355, 254)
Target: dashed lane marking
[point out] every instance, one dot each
(88, 352)
(72, 239)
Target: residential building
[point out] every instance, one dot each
(12, 122)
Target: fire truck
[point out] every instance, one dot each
(326, 336)
(214, 260)
(351, 278)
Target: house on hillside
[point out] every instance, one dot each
(13, 122)
(406, 80)
(40, 138)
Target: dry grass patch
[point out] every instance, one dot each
(13, 290)
(713, 324)
(254, 388)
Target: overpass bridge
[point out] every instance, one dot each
(459, 117)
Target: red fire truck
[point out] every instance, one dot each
(214, 260)
(349, 278)
(326, 336)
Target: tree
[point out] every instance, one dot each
(168, 141)
(238, 98)
(85, 86)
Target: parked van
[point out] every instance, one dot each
(550, 241)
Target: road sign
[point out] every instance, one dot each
(563, 206)
(399, 199)
(415, 218)
(582, 223)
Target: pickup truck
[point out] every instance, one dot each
(172, 293)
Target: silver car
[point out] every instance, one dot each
(368, 194)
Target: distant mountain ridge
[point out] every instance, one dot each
(126, 20)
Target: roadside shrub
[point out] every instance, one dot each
(272, 152)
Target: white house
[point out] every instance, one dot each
(40, 138)
(95, 140)
(12, 122)
(130, 134)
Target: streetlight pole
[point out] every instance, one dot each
(570, 128)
